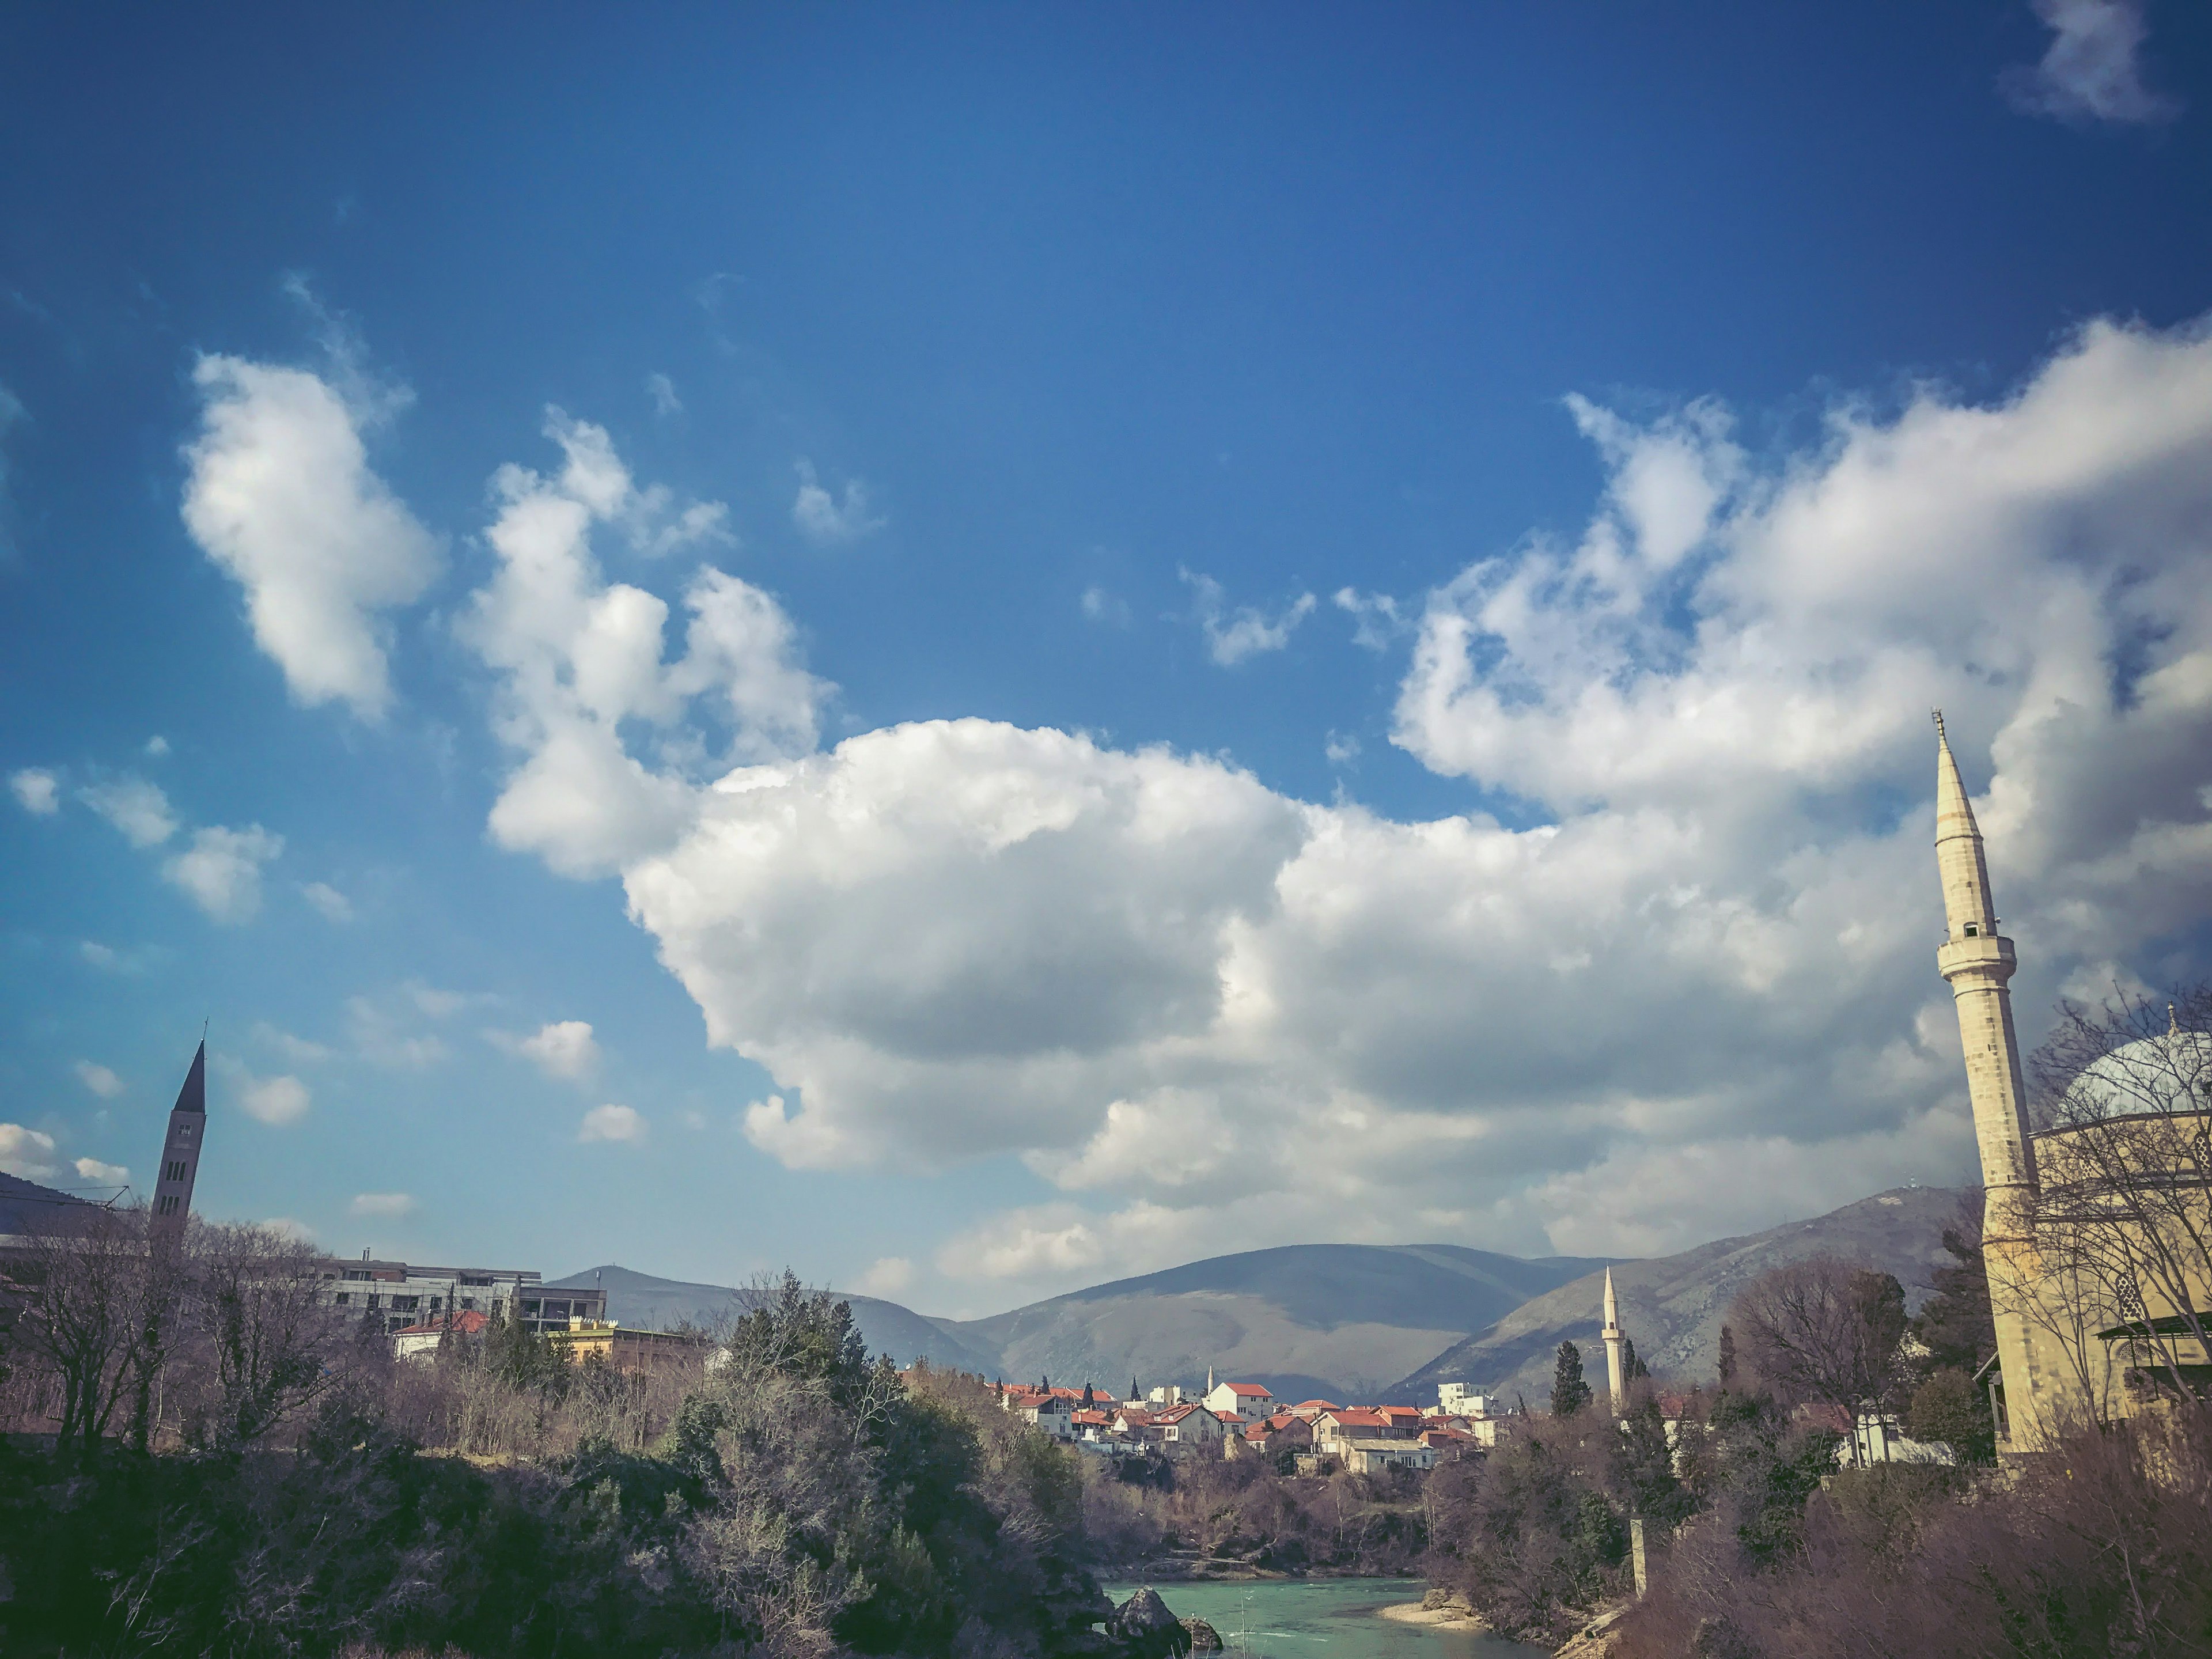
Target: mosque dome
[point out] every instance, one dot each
(2170, 1072)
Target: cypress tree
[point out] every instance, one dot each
(1728, 1356)
(1570, 1394)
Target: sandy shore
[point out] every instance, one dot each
(1412, 1613)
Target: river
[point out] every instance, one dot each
(1302, 1617)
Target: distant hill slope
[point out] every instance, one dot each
(1305, 1320)
(27, 1207)
(1672, 1306)
(637, 1299)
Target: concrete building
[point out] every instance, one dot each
(1457, 1400)
(624, 1348)
(400, 1294)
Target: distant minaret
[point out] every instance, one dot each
(180, 1152)
(1977, 960)
(1613, 1338)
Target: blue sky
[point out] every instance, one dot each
(1443, 525)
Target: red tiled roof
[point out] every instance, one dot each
(1832, 1418)
(1356, 1418)
(1249, 1390)
(1317, 1406)
(471, 1323)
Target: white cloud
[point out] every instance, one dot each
(382, 1204)
(1341, 748)
(579, 657)
(1048, 1242)
(278, 1101)
(103, 1175)
(1377, 618)
(887, 1276)
(662, 391)
(285, 1227)
(99, 1079)
(37, 791)
(298, 1050)
(332, 904)
(388, 1028)
(611, 1123)
(564, 1048)
(139, 809)
(1162, 984)
(1100, 606)
(28, 1154)
(2092, 68)
(280, 496)
(108, 959)
(157, 745)
(222, 870)
(824, 519)
(1233, 635)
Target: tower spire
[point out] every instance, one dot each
(1978, 962)
(1614, 1336)
(180, 1152)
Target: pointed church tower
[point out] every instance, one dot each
(180, 1153)
(1614, 1336)
(1978, 961)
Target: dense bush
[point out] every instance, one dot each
(2103, 1547)
(1242, 1512)
(796, 1497)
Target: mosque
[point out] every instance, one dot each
(2096, 1231)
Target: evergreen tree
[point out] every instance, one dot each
(1570, 1394)
(1632, 1367)
(1956, 1322)
(1727, 1357)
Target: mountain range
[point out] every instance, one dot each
(637, 1299)
(1672, 1306)
(1341, 1321)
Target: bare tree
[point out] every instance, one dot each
(90, 1292)
(270, 1347)
(2123, 1100)
(1822, 1329)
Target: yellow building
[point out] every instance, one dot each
(2098, 1232)
(625, 1348)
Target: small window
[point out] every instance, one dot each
(342, 1297)
(1973, 930)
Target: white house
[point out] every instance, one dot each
(1246, 1399)
(1364, 1456)
(1189, 1424)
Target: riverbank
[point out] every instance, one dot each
(1447, 1615)
(1291, 1618)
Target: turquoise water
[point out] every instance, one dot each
(1302, 1617)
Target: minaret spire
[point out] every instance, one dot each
(1614, 1336)
(1978, 962)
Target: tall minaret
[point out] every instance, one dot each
(180, 1152)
(1613, 1337)
(1977, 960)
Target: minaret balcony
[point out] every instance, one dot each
(1988, 954)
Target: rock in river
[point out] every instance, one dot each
(1146, 1630)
